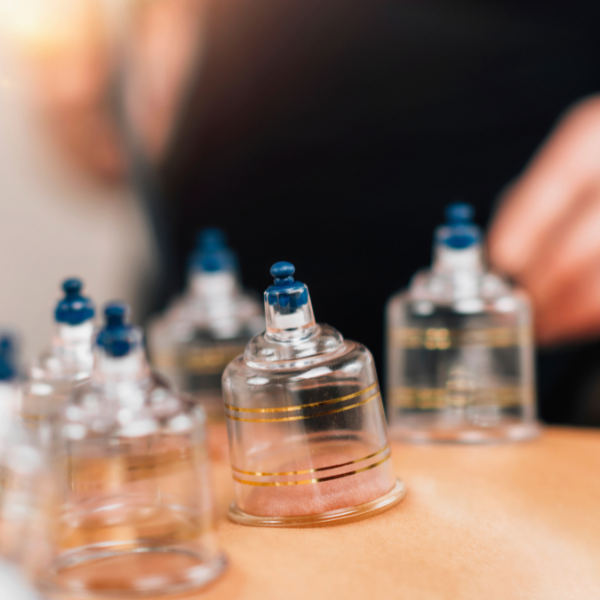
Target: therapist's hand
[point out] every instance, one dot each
(547, 232)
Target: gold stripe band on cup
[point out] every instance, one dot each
(442, 338)
(303, 417)
(438, 398)
(300, 406)
(316, 470)
(309, 481)
(200, 361)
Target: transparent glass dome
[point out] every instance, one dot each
(460, 363)
(26, 483)
(69, 359)
(307, 434)
(137, 515)
(208, 327)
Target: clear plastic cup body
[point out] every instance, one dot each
(53, 376)
(201, 333)
(307, 432)
(460, 362)
(27, 488)
(136, 516)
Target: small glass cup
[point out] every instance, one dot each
(67, 362)
(460, 351)
(26, 483)
(205, 329)
(136, 517)
(307, 433)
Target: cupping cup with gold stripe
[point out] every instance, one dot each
(460, 356)
(204, 330)
(307, 433)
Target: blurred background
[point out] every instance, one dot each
(330, 134)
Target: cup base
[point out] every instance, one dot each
(140, 573)
(352, 513)
(501, 433)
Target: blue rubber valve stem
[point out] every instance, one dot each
(8, 369)
(459, 213)
(74, 309)
(459, 232)
(288, 293)
(283, 273)
(116, 337)
(212, 252)
(211, 239)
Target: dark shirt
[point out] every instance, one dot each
(332, 133)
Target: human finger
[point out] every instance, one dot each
(557, 179)
(573, 249)
(572, 314)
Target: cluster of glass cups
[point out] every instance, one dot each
(111, 483)
(104, 482)
(308, 438)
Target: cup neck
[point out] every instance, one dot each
(10, 396)
(132, 368)
(74, 342)
(213, 287)
(290, 336)
(285, 324)
(449, 260)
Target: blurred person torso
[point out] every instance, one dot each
(334, 133)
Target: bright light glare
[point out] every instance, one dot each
(45, 22)
(24, 19)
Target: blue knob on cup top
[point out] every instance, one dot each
(8, 359)
(117, 337)
(74, 309)
(459, 213)
(283, 272)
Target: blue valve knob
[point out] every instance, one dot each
(74, 309)
(285, 291)
(72, 287)
(283, 272)
(8, 351)
(459, 213)
(117, 337)
(211, 239)
(115, 314)
(459, 232)
(212, 253)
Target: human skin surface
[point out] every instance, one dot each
(492, 521)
